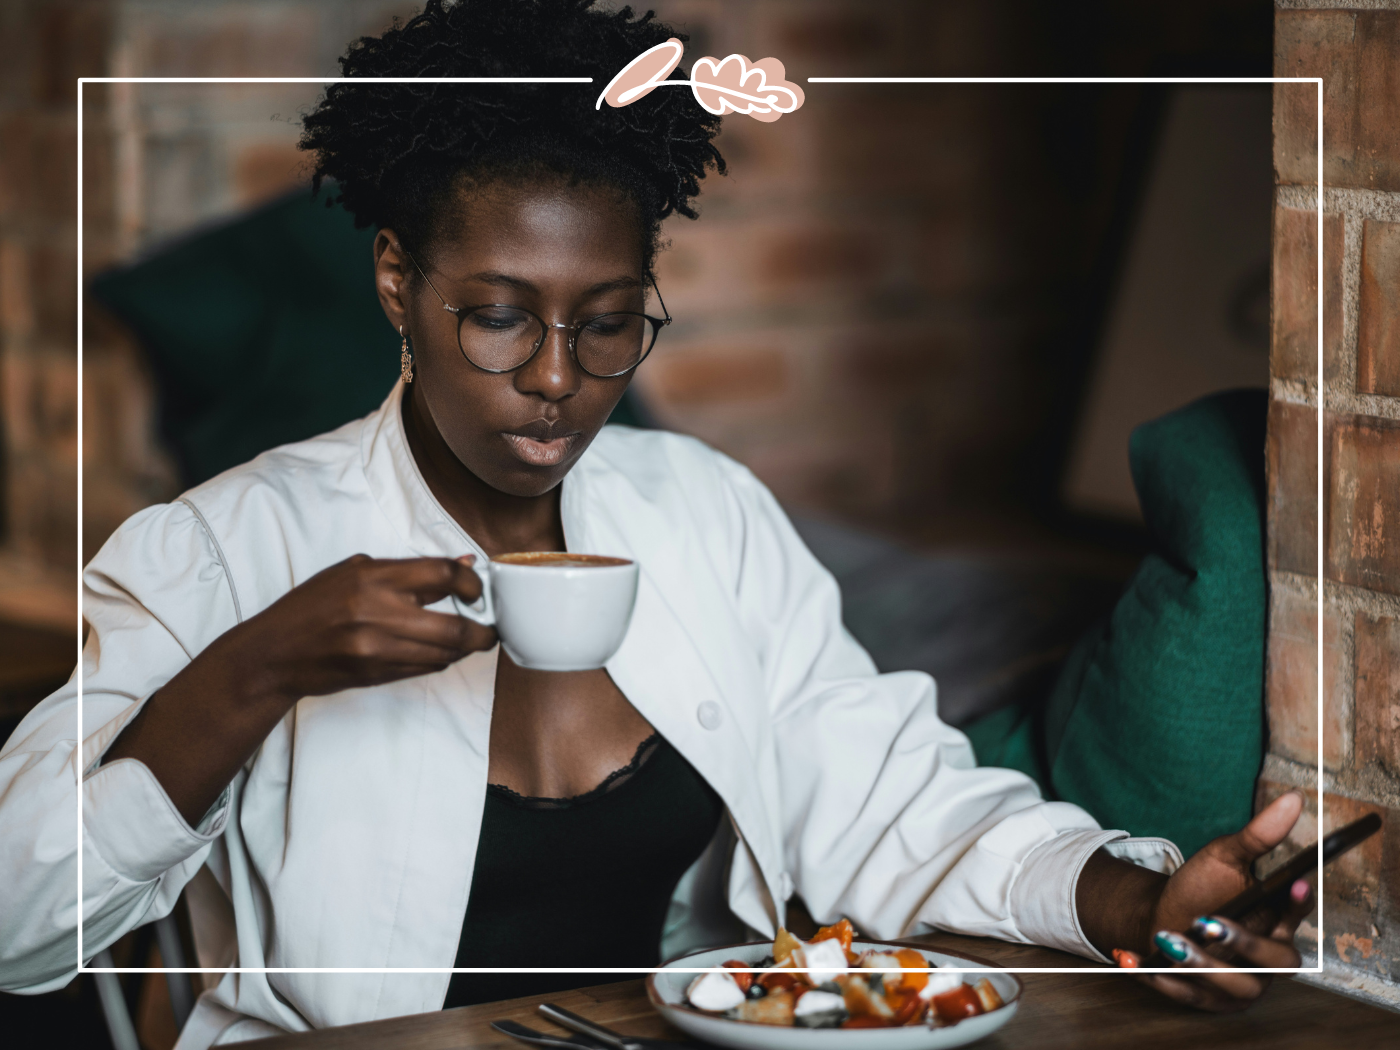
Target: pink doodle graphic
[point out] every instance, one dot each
(733, 85)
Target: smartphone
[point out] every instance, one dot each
(1273, 891)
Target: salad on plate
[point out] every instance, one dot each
(823, 983)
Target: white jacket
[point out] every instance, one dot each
(348, 840)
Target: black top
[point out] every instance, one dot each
(582, 881)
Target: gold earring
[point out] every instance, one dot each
(405, 359)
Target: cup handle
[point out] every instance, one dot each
(483, 610)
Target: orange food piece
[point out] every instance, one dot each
(743, 980)
(961, 1002)
(774, 980)
(865, 1021)
(909, 957)
(783, 946)
(842, 931)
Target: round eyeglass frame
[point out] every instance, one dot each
(461, 313)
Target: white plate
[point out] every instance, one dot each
(667, 994)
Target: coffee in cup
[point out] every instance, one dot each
(556, 610)
(559, 558)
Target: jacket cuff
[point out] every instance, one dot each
(1042, 897)
(130, 822)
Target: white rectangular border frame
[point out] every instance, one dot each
(587, 80)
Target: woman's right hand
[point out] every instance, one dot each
(360, 622)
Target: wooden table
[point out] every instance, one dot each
(1103, 1008)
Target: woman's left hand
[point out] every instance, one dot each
(1214, 875)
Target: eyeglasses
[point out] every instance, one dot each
(496, 337)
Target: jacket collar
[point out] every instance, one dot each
(400, 491)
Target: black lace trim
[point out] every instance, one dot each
(611, 782)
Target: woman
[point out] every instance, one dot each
(282, 712)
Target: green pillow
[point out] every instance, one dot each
(1155, 724)
(260, 331)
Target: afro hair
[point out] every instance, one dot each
(397, 152)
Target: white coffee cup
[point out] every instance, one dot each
(554, 610)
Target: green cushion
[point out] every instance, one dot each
(261, 331)
(1155, 724)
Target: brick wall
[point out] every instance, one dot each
(1357, 52)
(875, 274)
(43, 48)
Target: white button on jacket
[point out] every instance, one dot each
(348, 840)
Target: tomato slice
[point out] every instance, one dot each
(905, 1003)
(961, 1002)
(775, 979)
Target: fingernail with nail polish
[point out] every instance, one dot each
(1209, 929)
(1126, 959)
(1299, 890)
(1172, 945)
